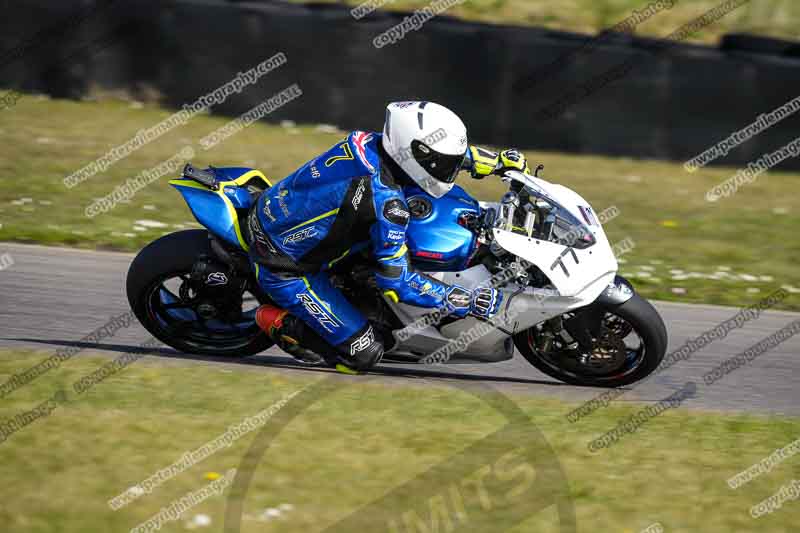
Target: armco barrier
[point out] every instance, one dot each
(671, 105)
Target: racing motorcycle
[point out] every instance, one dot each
(565, 309)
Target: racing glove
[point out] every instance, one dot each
(481, 162)
(483, 302)
(513, 159)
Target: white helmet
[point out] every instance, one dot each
(428, 141)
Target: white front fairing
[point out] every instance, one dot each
(578, 277)
(573, 271)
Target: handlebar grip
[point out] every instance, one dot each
(207, 178)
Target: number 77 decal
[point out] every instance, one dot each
(348, 155)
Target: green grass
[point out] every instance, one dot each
(352, 447)
(776, 18)
(731, 252)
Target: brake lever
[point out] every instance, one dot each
(500, 171)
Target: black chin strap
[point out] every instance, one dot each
(396, 174)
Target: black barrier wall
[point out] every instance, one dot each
(672, 104)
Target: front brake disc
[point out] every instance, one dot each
(608, 354)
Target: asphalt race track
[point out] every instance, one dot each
(52, 297)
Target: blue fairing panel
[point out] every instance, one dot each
(217, 210)
(210, 210)
(239, 196)
(436, 241)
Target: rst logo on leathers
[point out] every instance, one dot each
(363, 342)
(318, 312)
(216, 278)
(258, 235)
(359, 194)
(395, 210)
(301, 235)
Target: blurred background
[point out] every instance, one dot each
(612, 96)
(498, 63)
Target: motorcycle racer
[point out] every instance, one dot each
(349, 199)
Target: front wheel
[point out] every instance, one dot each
(628, 345)
(189, 316)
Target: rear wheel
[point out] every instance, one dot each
(628, 345)
(185, 313)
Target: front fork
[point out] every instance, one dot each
(585, 324)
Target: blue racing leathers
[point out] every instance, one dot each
(341, 202)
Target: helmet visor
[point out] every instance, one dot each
(443, 167)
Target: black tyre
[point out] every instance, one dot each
(157, 291)
(632, 344)
(757, 44)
